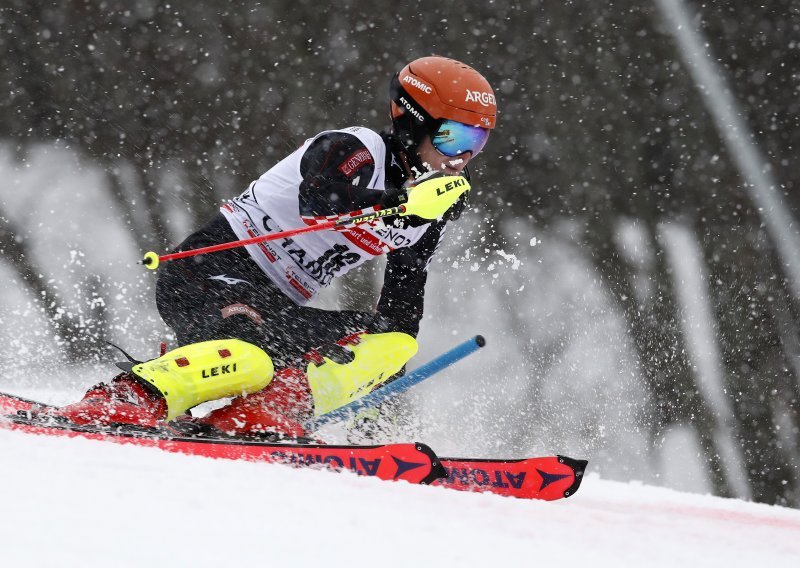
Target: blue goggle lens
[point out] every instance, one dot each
(454, 138)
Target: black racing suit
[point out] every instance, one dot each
(199, 306)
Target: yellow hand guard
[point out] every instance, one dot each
(430, 199)
(200, 372)
(377, 357)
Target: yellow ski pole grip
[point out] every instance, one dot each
(433, 197)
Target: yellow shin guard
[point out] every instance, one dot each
(200, 372)
(377, 357)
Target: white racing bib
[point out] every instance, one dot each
(301, 266)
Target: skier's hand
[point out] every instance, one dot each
(432, 195)
(394, 196)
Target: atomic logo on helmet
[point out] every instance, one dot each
(433, 90)
(418, 84)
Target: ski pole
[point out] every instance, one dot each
(151, 260)
(430, 199)
(399, 385)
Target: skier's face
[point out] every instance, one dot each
(438, 162)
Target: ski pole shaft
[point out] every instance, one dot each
(400, 385)
(151, 260)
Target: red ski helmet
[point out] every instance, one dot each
(431, 90)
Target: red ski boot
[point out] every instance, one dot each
(279, 408)
(125, 400)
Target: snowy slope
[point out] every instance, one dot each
(74, 502)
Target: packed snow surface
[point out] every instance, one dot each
(77, 502)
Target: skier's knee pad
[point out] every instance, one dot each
(209, 370)
(376, 358)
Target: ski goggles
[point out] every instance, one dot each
(454, 138)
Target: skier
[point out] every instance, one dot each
(241, 314)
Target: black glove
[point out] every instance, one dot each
(393, 196)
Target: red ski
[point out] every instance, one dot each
(412, 462)
(9, 403)
(546, 478)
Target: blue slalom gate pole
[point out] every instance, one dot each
(400, 385)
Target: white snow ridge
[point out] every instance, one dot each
(83, 503)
